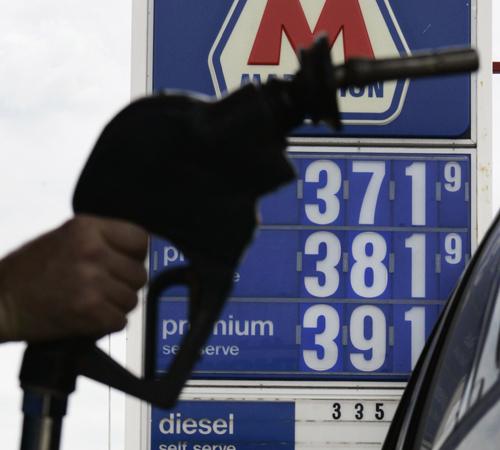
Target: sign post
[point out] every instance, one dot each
(353, 263)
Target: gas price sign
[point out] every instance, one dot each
(350, 268)
(353, 262)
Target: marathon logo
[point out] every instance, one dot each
(260, 40)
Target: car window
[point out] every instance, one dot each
(487, 371)
(483, 432)
(459, 353)
(486, 430)
(479, 428)
(484, 375)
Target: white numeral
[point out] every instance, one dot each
(328, 193)
(417, 173)
(416, 242)
(453, 248)
(326, 339)
(416, 317)
(377, 169)
(453, 176)
(376, 343)
(326, 266)
(369, 261)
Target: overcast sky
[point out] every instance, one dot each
(64, 71)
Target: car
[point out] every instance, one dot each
(452, 400)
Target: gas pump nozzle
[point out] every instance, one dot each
(191, 170)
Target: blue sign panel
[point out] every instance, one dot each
(203, 425)
(215, 47)
(347, 275)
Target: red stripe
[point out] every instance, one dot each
(496, 66)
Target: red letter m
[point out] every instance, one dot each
(288, 16)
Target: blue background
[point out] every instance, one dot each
(280, 356)
(266, 425)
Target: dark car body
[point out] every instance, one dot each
(452, 400)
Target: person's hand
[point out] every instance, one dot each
(78, 280)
